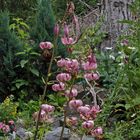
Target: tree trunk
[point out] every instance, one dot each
(114, 11)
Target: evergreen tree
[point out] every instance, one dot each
(42, 29)
(9, 45)
(18, 8)
(44, 22)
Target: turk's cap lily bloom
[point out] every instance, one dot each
(88, 124)
(63, 77)
(94, 111)
(72, 65)
(91, 76)
(83, 109)
(68, 40)
(74, 104)
(71, 93)
(5, 128)
(91, 63)
(89, 66)
(58, 87)
(45, 45)
(61, 63)
(96, 132)
(92, 58)
(47, 108)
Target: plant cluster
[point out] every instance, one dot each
(120, 115)
(8, 113)
(70, 70)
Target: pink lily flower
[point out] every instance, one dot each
(71, 93)
(47, 108)
(58, 87)
(91, 76)
(45, 45)
(74, 104)
(63, 77)
(88, 124)
(96, 132)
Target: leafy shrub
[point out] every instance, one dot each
(8, 110)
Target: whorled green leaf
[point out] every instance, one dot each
(34, 71)
(23, 62)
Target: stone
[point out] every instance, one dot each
(85, 137)
(75, 137)
(21, 133)
(55, 134)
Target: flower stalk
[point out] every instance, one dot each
(45, 89)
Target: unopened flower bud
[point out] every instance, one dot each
(71, 7)
(56, 30)
(66, 30)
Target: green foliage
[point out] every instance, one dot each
(58, 101)
(18, 8)
(27, 65)
(9, 45)
(121, 120)
(44, 22)
(20, 28)
(26, 110)
(8, 110)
